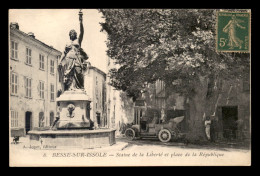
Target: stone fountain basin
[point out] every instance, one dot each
(82, 138)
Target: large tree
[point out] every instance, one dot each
(176, 46)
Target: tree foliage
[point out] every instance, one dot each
(174, 45)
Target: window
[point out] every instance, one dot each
(41, 90)
(28, 56)
(41, 57)
(14, 83)
(14, 50)
(41, 119)
(52, 66)
(14, 118)
(28, 87)
(52, 92)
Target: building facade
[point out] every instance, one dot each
(95, 86)
(120, 108)
(233, 111)
(232, 114)
(33, 82)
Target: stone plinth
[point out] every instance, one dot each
(74, 110)
(73, 95)
(73, 138)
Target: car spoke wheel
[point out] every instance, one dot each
(164, 135)
(130, 134)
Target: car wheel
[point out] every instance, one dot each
(130, 134)
(164, 135)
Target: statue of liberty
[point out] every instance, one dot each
(230, 28)
(73, 61)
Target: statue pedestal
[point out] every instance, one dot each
(73, 128)
(63, 139)
(74, 112)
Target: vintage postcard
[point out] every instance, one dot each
(129, 87)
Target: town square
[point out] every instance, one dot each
(129, 87)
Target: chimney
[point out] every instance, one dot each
(14, 25)
(31, 34)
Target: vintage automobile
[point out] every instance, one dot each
(153, 128)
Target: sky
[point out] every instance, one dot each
(52, 27)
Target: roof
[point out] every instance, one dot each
(98, 70)
(34, 39)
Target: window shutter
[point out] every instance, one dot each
(16, 119)
(27, 91)
(51, 92)
(43, 62)
(43, 90)
(50, 67)
(30, 58)
(16, 50)
(11, 82)
(38, 88)
(11, 118)
(27, 53)
(40, 60)
(30, 88)
(16, 83)
(25, 86)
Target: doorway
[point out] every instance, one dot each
(229, 120)
(28, 121)
(98, 119)
(51, 118)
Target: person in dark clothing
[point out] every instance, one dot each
(213, 129)
(56, 120)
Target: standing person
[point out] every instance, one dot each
(162, 115)
(207, 127)
(213, 129)
(56, 120)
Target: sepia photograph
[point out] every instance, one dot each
(129, 87)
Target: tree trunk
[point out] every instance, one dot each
(197, 108)
(196, 126)
(201, 105)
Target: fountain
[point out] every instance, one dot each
(73, 127)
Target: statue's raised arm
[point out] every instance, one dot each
(81, 28)
(72, 63)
